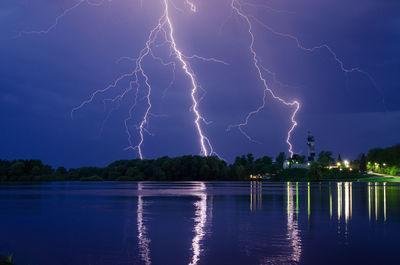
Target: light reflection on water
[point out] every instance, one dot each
(255, 195)
(255, 222)
(344, 194)
(377, 198)
(200, 221)
(293, 234)
(143, 240)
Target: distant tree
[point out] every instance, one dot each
(280, 159)
(116, 171)
(47, 170)
(4, 168)
(302, 159)
(132, 172)
(17, 169)
(204, 171)
(298, 158)
(363, 163)
(250, 158)
(240, 172)
(325, 158)
(61, 171)
(243, 160)
(374, 155)
(266, 160)
(262, 165)
(339, 160)
(159, 174)
(165, 168)
(316, 171)
(35, 171)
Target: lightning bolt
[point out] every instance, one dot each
(162, 34)
(264, 6)
(62, 15)
(236, 7)
(192, 7)
(330, 51)
(206, 147)
(165, 29)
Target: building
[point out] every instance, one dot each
(311, 147)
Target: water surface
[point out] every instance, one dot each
(200, 223)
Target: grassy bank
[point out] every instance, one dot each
(381, 179)
(303, 175)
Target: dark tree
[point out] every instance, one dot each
(298, 158)
(325, 158)
(250, 158)
(17, 169)
(280, 159)
(339, 159)
(61, 171)
(389, 156)
(316, 171)
(363, 163)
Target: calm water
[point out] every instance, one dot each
(200, 223)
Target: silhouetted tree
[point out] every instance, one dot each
(389, 156)
(61, 171)
(280, 159)
(339, 160)
(363, 163)
(250, 158)
(316, 171)
(325, 158)
(298, 158)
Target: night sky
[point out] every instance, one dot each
(44, 76)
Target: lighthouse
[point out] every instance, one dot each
(311, 147)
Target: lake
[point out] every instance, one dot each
(200, 223)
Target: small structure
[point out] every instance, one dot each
(297, 161)
(255, 177)
(259, 177)
(311, 147)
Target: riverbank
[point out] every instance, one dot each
(6, 261)
(377, 177)
(194, 168)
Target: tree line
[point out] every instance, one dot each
(201, 168)
(385, 160)
(389, 156)
(187, 167)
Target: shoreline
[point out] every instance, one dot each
(6, 261)
(372, 178)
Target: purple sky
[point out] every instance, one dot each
(44, 76)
